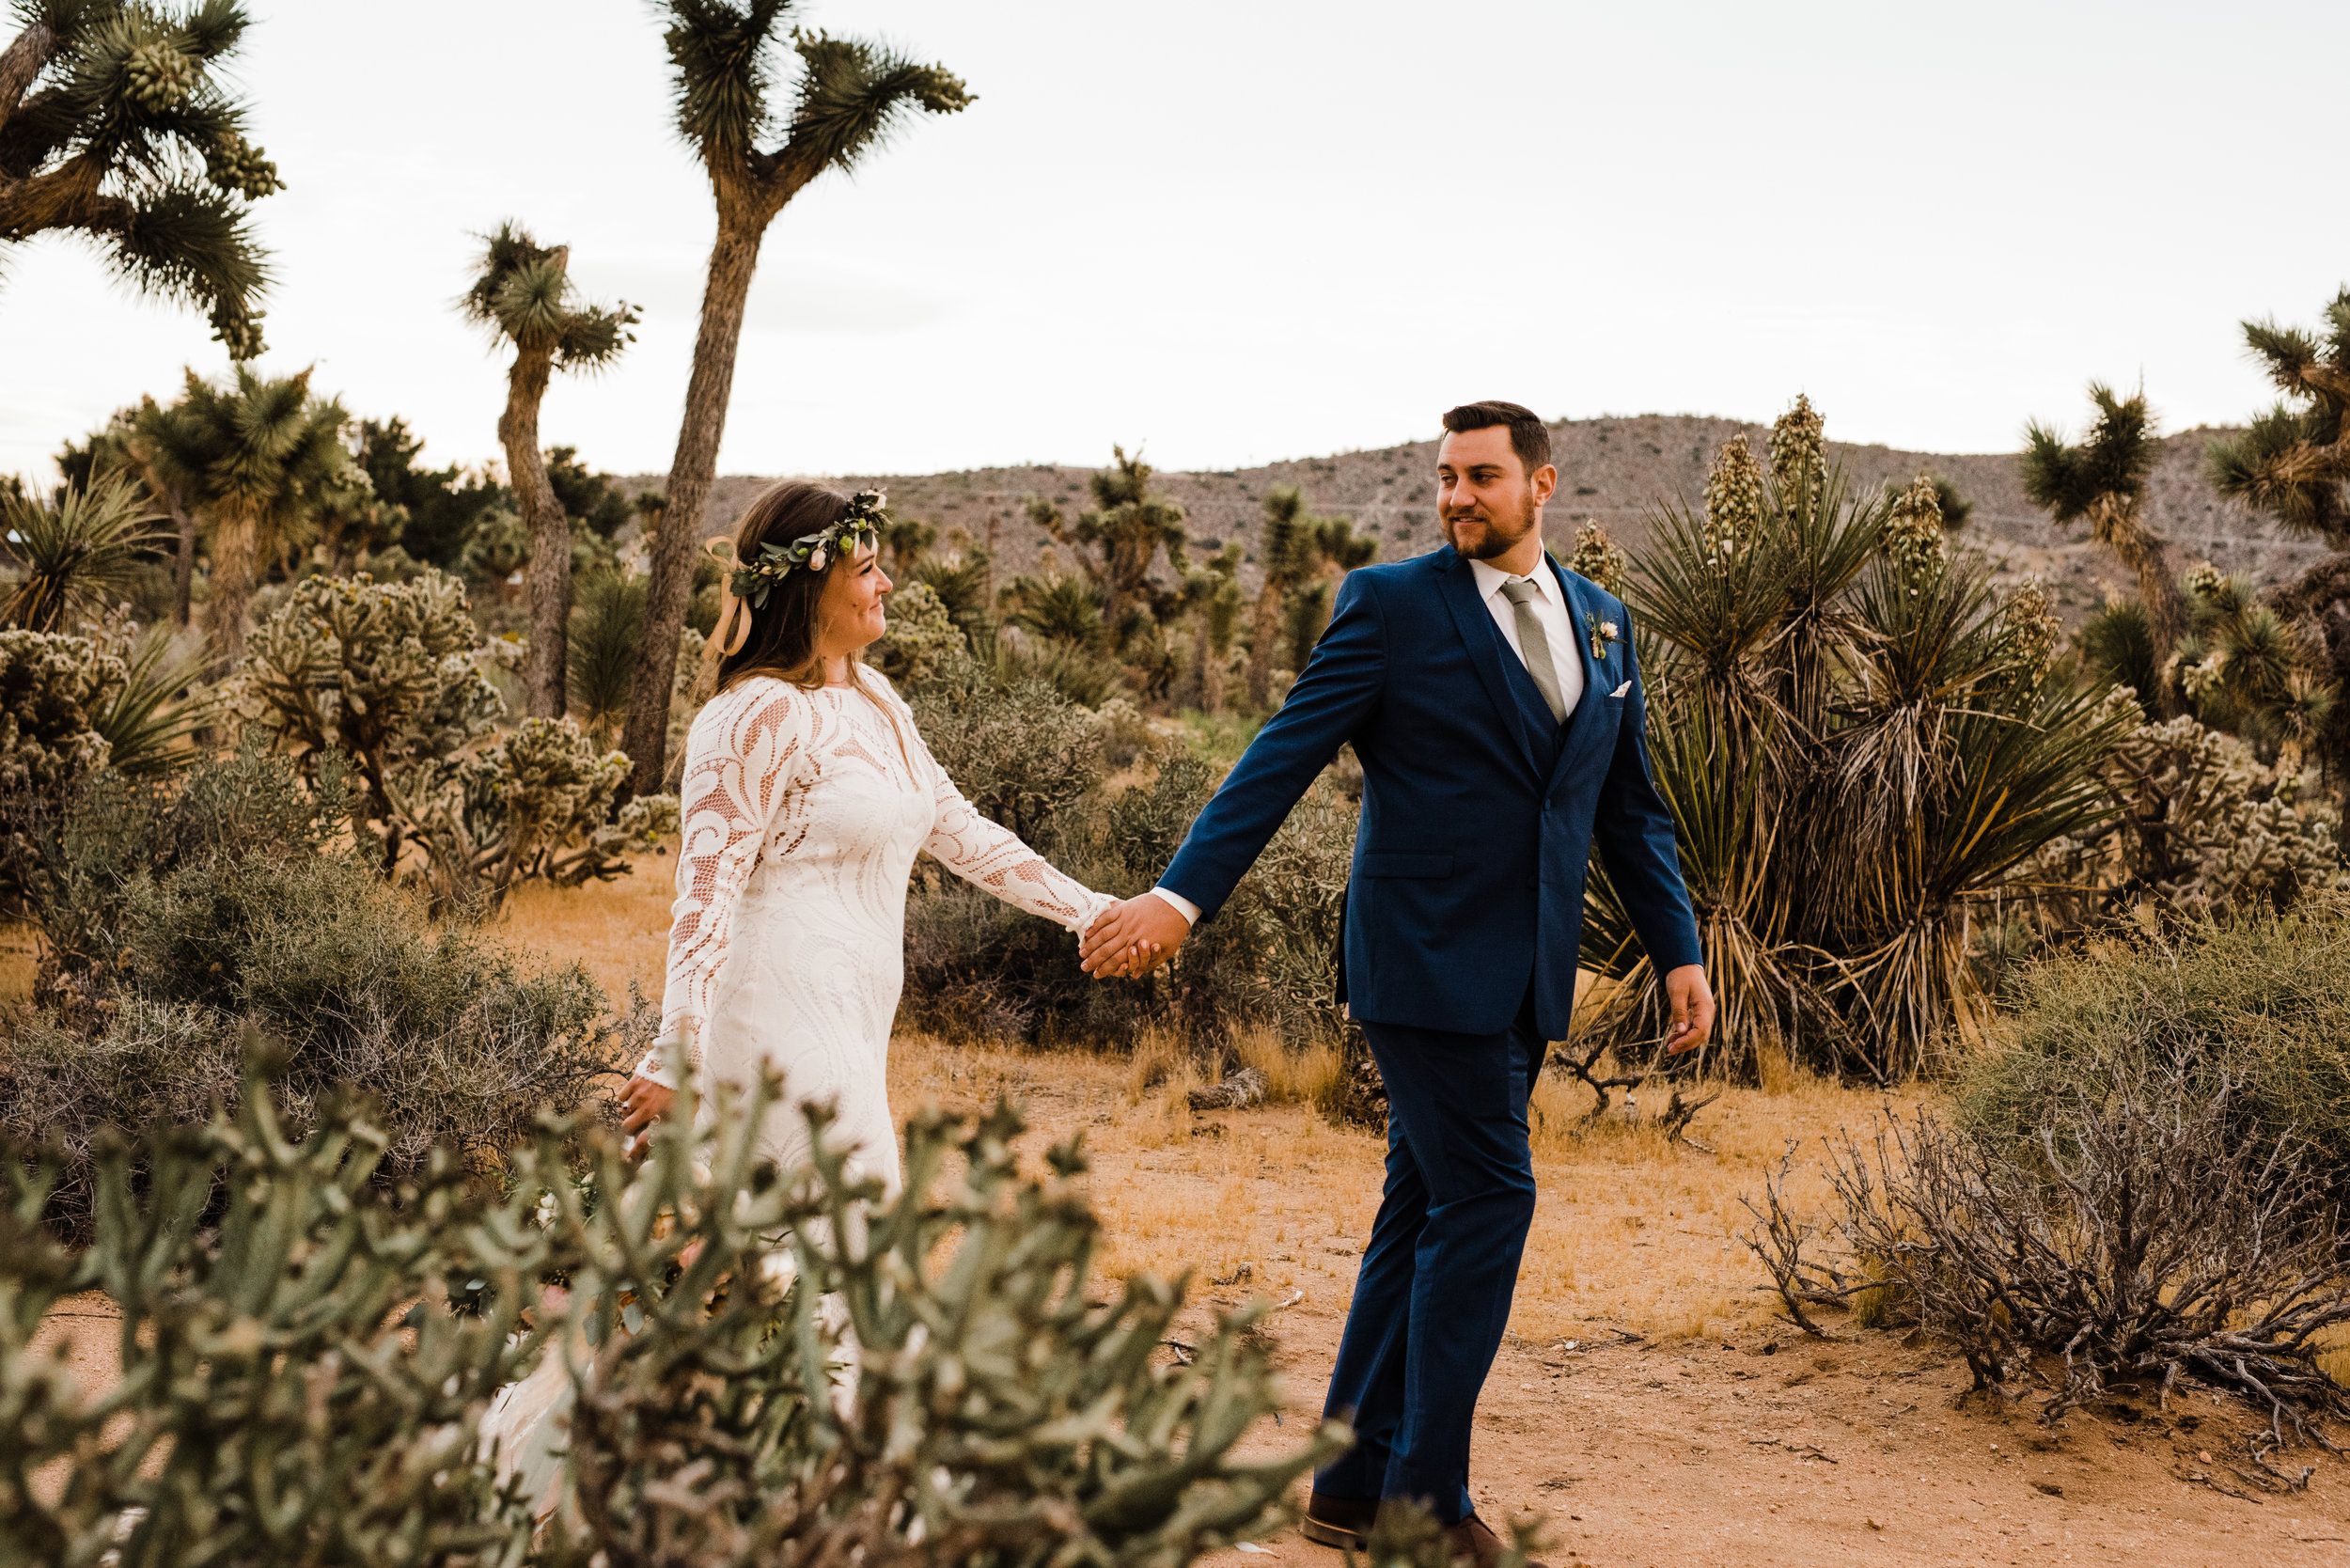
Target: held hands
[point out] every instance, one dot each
(642, 1104)
(1692, 1001)
(1132, 938)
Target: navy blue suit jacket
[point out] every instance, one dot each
(1479, 812)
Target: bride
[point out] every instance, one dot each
(807, 790)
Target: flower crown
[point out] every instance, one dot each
(860, 527)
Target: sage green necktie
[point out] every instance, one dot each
(1535, 644)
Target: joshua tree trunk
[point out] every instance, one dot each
(235, 540)
(1262, 636)
(549, 573)
(2145, 555)
(742, 225)
(142, 452)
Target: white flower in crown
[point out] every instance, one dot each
(816, 560)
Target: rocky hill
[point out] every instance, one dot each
(1614, 470)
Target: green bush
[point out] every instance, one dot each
(2262, 1000)
(1032, 759)
(176, 920)
(998, 1406)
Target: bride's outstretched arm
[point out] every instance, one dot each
(744, 767)
(992, 856)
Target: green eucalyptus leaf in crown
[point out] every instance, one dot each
(860, 528)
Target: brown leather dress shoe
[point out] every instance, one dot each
(1338, 1521)
(1473, 1542)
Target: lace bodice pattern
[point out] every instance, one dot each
(802, 814)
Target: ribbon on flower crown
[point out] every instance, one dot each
(734, 622)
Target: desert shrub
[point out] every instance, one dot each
(52, 690)
(2134, 1234)
(539, 803)
(999, 1405)
(1021, 753)
(1269, 957)
(2260, 1002)
(179, 919)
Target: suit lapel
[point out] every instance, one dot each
(1485, 650)
(1599, 675)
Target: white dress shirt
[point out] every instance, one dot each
(1550, 608)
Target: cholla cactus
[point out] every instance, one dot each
(274, 1406)
(789, 1371)
(1799, 454)
(1600, 559)
(2206, 829)
(389, 674)
(537, 804)
(1912, 533)
(1733, 499)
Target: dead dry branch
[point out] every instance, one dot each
(2139, 1237)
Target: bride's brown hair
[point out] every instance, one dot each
(782, 637)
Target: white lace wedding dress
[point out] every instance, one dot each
(803, 812)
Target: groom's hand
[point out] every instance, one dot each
(1132, 938)
(1692, 1001)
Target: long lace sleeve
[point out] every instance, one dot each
(989, 855)
(745, 767)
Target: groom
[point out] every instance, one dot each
(1494, 701)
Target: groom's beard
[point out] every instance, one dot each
(1495, 537)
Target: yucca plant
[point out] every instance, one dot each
(1858, 741)
(74, 560)
(160, 708)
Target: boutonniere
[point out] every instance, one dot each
(1602, 633)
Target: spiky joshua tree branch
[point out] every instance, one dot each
(114, 124)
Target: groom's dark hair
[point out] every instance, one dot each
(1528, 436)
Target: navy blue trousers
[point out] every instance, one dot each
(1433, 1296)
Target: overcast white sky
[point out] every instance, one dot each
(1233, 232)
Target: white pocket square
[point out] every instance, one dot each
(1621, 690)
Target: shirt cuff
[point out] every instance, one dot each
(1181, 905)
(656, 1067)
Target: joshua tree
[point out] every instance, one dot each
(2294, 462)
(2103, 480)
(1117, 540)
(255, 457)
(1294, 549)
(106, 109)
(724, 55)
(524, 295)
